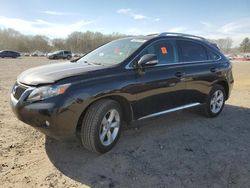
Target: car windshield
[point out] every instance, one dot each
(114, 52)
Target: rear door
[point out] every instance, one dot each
(201, 71)
(161, 86)
(60, 54)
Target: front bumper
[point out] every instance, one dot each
(50, 117)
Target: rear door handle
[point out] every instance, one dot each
(213, 69)
(179, 74)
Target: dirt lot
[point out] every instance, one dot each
(182, 149)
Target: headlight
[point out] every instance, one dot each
(47, 92)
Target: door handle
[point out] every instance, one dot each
(213, 69)
(179, 74)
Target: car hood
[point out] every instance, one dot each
(49, 74)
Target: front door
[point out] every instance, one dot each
(161, 86)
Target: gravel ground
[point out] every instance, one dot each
(182, 149)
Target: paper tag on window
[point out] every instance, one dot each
(164, 50)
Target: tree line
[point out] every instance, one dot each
(83, 42)
(225, 44)
(77, 42)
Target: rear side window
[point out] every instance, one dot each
(164, 50)
(67, 52)
(191, 51)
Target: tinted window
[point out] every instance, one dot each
(191, 51)
(212, 55)
(67, 52)
(164, 50)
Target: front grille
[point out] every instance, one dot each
(18, 90)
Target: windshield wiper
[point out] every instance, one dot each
(75, 60)
(89, 63)
(93, 63)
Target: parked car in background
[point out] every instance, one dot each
(61, 54)
(26, 54)
(229, 57)
(247, 56)
(37, 53)
(129, 79)
(8, 53)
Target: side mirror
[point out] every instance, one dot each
(148, 60)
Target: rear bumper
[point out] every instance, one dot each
(230, 88)
(230, 79)
(55, 121)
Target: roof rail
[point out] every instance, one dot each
(182, 35)
(153, 34)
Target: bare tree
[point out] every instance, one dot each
(225, 44)
(58, 44)
(245, 45)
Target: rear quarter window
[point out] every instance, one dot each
(191, 51)
(212, 55)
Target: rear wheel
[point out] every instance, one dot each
(215, 101)
(101, 126)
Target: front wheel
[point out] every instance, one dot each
(215, 101)
(101, 126)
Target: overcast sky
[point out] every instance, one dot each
(58, 18)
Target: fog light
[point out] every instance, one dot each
(46, 124)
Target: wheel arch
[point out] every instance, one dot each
(224, 84)
(126, 108)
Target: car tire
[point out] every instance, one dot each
(101, 126)
(215, 101)
(68, 57)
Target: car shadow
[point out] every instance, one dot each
(181, 149)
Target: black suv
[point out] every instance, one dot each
(125, 80)
(61, 54)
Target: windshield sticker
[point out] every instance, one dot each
(117, 50)
(138, 40)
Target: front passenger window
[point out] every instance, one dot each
(164, 50)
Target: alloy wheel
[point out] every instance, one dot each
(216, 102)
(110, 126)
